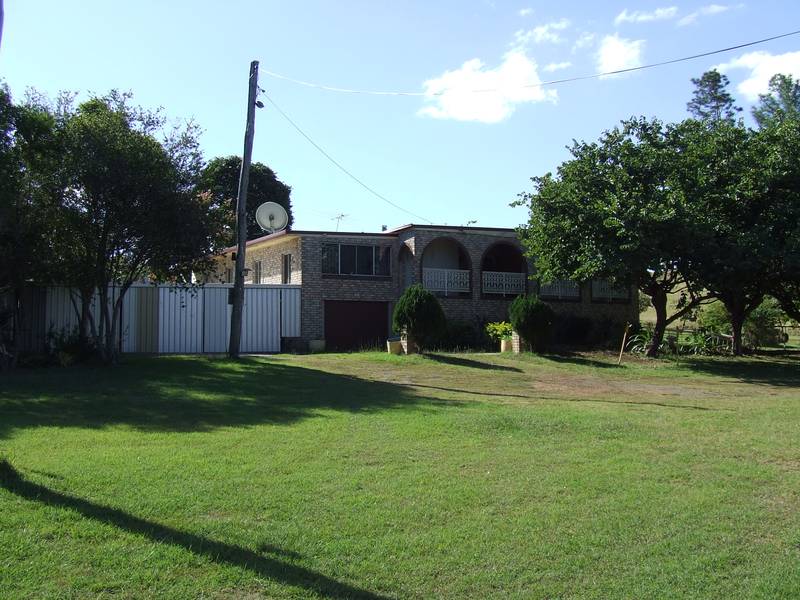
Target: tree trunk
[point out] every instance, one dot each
(737, 323)
(659, 300)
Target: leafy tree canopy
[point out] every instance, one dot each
(616, 210)
(221, 179)
(781, 103)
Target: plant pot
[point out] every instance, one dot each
(506, 345)
(394, 347)
(409, 345)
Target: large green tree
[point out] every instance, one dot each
(29, 153)
(615, 210)
(733, 215)
(220, 178)
(130, 210)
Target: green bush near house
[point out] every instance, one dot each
(419, 315)
(498, 331)
(533, 320)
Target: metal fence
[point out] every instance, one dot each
(167, 319)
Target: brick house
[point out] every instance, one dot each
(350, 281)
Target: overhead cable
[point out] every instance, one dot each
(337, 163)
(532, 85)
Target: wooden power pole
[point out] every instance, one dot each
(241, 216)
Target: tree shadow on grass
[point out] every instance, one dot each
(184, 394)
(459, 361)
(577, 359)
(218, 552)
(778, 370)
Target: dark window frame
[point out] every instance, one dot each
(286, 269)
(379, 260)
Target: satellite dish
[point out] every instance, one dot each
(271, 217)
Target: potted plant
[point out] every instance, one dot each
(500, 332)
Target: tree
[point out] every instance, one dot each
(419, 315)
(780, 104)
(28, 154)
(741, 218)
(711, 100)
(221, 179)
(616, 210)
(130, 211)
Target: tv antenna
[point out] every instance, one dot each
(338, 219)
(271, 217)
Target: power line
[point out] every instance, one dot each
(532, 85)
(337, 163)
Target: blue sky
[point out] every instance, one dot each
(451, 158)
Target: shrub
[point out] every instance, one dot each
(533, 320)
(500, 330)
(419, 315)
(761, 328)
(66, 347)
(459, 335)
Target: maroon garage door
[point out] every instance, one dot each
(352, 325)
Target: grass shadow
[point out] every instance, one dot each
(572, 358)
(218, 552)
(458, 361)
(773, 369)
(184, 394)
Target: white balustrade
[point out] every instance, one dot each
(496, 282)
(445, 280)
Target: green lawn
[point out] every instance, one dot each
(365, 475)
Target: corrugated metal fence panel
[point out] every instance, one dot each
(172, 319)
(180, 323)
(261, 319)
(32, 329)
(128, 326)
(290, 312)
(216, 319)
(60, 312)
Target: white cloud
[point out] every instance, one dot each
(548, 32)
(762, 66)
(618, 53)
(705, 11)
(553, 67)
(525, 12)
(585, 39)
(455, 95)
(638, 16)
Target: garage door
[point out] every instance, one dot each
(353, 325)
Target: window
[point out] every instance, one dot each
(286, 268)
(560, 289)
(257, 271)
(605, 291)
(350, 259)
(228, 275)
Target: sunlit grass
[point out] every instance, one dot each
(369, 475)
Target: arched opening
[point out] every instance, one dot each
(446, 268)
(504, 270)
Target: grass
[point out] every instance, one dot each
(374, 476)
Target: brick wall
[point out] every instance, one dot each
(318, 287)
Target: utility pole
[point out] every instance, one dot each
(241, 216)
